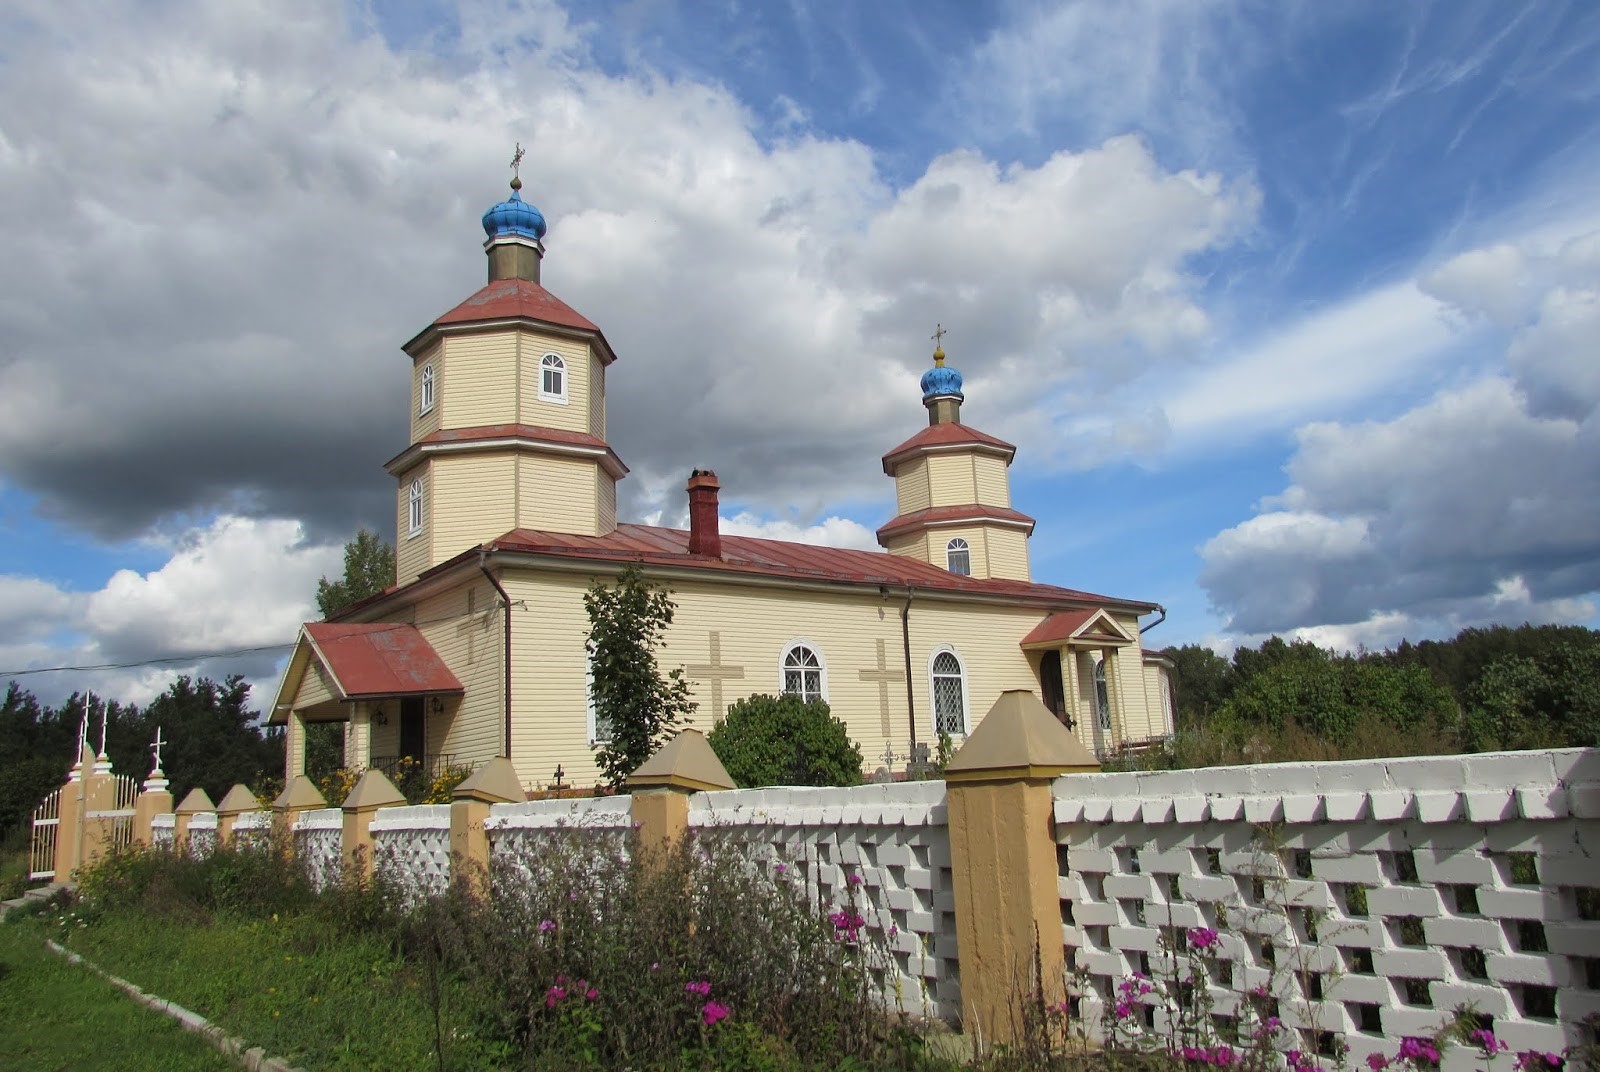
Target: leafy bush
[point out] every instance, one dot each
(784, 740)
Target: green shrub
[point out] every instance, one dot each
(784, 740)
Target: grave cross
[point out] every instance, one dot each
(155, 746)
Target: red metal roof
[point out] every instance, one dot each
(945, 435)
(506, 299)
(748, 556)
(532, 433)
(382, 659)
(1065, 625)
(938, 515)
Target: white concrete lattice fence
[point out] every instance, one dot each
(1370, 899)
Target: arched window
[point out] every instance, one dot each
(414, 508)
(803, 672)
(425, 391)
(1102, 694)
(599, 726)
(949, 689)
(958, 557)
(553, 378)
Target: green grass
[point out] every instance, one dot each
(320, 999)
(55, 1015)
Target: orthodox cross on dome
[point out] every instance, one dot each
(716, 673)
(884, 678)
(516, 167)
(938, 343)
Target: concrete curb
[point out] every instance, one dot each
(32, 896)
(253, 1058)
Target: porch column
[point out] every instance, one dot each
(1004, 865)
(358, 738)
(1114, 696)
(294, 748)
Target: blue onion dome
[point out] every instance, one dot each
(514, 216)
(941, 380)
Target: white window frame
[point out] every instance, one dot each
(951, 550)
(414, 509)
(822, 667)
(595, 740)
(558, 364)
(1104, 717)
(966, 701)
(426, 391)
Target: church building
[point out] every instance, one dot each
(506, 513)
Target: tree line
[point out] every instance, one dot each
(1496, 687)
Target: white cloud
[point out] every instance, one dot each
(829, 532)
(1481, 504)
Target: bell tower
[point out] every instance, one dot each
(953, 489)
(508, 410)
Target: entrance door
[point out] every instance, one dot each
(1055, 693)
(413, 732)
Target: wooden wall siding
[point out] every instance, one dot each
(574, 416)
(1137, 722)
(951, 479)
(482, 371)
(465, 626)
(606, 494)
(427, 422)
(549, 629)
(472, 501)
(989, 476)
(313, 688)
(1155, 685)
(385, 738)
(558, 494)
(1008, 554)
(911, 486)
(911, 545)
(412, 553)
(977, 538)
(597, 396)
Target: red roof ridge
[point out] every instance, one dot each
(946, 435)
(934, 515)
(516, 297)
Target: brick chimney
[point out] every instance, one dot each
(704, 536)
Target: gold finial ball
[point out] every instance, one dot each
(516, 182)
(938, 356)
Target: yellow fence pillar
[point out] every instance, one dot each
(495, 782)
(196, 802)
(153, 799)
(371, 792)
(661, 787)
(1003, 863)
(235, 803)
(300, 795)
(69, 825)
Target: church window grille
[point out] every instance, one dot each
(553, 378)
(804, 673)
(425, 391)
(1102, 695)
(414, 508)
(958, 557)
(949, 694)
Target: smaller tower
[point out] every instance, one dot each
(515, 229)
(953, 491)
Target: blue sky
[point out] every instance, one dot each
(1290, 307)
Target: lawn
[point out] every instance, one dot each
(55, 1015)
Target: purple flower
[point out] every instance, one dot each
(1535, 1061)
(712, 1012)
(854, 880)
(554, 996)
(592, 994)
(1419, 1051)
(1377, 1062)
(546, 926)
(1124, 1010)
(780, 868)
(1204, 939)
(702, 988)
(1486, 1041)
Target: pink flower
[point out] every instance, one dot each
(546, 926)
(1535, 1061)
(553, 996)
(1377, 1062)
(1486, 1041)
(780, 868)
(592, 994)
(1419, 1051)
(702, 988)
(1204, 939)
(712, 1012)
(854, 880)
(1124, 1010)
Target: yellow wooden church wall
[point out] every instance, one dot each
(606, 494)
(481, 370)
(911, 486)
(951, 479)
(469, 501)
(466, 627)
(558, 494)
(989, 479)
(313, 689)
(1008, 554)
(426, 423)
(911, 545)
(597, 396)
(574, 415)
(411, 553)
